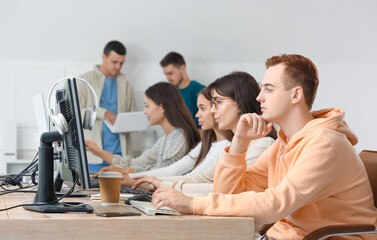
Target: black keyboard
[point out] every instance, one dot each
(134, 191)
(94, 183)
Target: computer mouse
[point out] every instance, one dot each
(139, 197)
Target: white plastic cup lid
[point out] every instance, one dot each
(110, 175)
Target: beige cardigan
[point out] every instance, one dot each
(126, 103)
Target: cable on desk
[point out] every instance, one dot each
(41, 204)
(19, 190)
(15, 179)
(76, 205)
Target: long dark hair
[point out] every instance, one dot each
(243, 89)
(175, 110)
(209, 136)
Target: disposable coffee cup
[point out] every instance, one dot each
(109, 186)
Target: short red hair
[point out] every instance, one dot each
(299, 71)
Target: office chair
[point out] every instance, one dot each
(369, 159)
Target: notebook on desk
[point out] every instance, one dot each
(149, 209)
(128, 122)
(122, 197)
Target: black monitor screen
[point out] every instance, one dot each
(72, 147)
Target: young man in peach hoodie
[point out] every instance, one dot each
(309, 178)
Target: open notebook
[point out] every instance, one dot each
(148, 208)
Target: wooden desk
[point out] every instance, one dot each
(19, 223)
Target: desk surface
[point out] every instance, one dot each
(19, 223)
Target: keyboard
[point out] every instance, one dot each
(134, 191)
(148, 208)
(94, 183)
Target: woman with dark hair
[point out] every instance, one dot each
(232, 96)
(204, 154)
(164, 106)
(240, 89)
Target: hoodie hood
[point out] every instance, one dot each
(331, 118)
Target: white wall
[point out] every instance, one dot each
(42, 41)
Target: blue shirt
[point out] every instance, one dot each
(109, 101)
(190, 96)
(110, 140)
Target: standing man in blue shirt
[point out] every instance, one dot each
(174, 67)
(115, 94)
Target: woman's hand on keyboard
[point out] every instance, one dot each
(154, 183)
(114, 169)
(173, 199)
(127, 180)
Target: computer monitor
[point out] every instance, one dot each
(40, 113)
(70, 147)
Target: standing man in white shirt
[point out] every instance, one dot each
(115, 95)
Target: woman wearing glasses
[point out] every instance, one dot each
(232, 95)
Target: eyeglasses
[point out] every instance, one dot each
(216, 101)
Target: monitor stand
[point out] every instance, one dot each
(58, 184)
(71, 195)
(46, 193)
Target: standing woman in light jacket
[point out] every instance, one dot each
(163, 106)
(232, 95)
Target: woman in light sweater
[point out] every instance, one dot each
(204, 154)
(164, 106)
(232, 95)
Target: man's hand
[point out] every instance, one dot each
(173, 199)
(154, 182)
(110, 117)
(251, 126)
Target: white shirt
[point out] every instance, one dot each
(186, 164)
